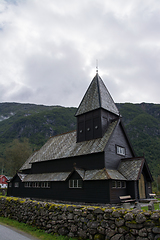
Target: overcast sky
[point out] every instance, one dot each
(48, 50)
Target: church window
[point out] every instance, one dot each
(123, 184)
(16, 184)
(36, 184)
(121, 151)
(113, 184)
(45, 184)
(118, 184)
(27, 184)
(75, 183)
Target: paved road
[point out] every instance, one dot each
(9, 233)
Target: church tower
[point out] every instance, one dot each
(96, 110)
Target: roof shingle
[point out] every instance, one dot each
(131, 168)
(65, 145)
(97, 96)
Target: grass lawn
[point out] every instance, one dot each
(40, 234)
(156, 206)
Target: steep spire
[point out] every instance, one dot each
(97, 96)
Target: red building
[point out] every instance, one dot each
(3, 181)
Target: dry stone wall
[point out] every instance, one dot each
(83, 222)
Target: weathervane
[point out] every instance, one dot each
(96, 65)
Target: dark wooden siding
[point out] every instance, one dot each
(92, 192)
(93, 124)
(116, 192)
(148, 188)
(148, 185)
(106, 118)
(130, 189)
(15, 191)
(87, 162)
(89, 126)
(112, 159)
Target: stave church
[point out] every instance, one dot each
(93, 164)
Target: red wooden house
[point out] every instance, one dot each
(3, 181)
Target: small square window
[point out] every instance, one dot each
(27, 184)
(118, 184)
(16, 184)
(45, 185)
(121, 150)
(75, 183)
(48, 185)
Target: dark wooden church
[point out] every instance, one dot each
(96, 163)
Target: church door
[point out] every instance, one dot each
(142, 192)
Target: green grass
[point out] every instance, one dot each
(40, 234)
(156, 206)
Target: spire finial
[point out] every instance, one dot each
(96, 65)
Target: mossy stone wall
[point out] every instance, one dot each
(84, 222)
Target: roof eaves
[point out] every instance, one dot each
(98, 87)
(108, 176)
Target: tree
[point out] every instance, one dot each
(1, 165)
(16, 154)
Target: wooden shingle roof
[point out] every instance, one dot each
(65, 145)
(97, 96)
(131, 168)
(88, 175)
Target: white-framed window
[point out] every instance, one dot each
(118, 184)
(75, 183)
(10, 184)
(16, 184)
(114, 184)
(120, 150)
(37, 184)
(27, 184)
(45, 185)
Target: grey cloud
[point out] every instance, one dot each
(49, 49)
